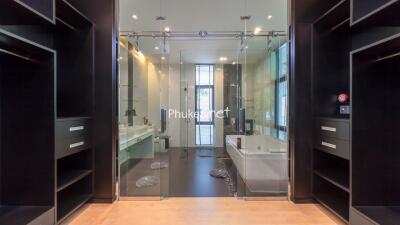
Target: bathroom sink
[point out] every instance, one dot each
(135, 130)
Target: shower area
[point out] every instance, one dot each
(202, 112)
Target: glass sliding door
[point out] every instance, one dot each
(140, 154)
(264, 137)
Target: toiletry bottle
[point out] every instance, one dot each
(239, 143)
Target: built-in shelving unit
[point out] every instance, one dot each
(333, 169)
(46, 97)
(73, 168)
(332, 197)
(73, 197)
(27, 75)
(331, 44)
(355, 49)
(74, 43)
(375, 133)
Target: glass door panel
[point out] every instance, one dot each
(139, 158)
(264, 137)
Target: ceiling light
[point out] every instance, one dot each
(233, 63)
(257, 30)
(269, 17)
(162, 57)
(156, 48)
(167, 29)
(181, 63)
(246, 47)
(134, 16)
(223, 58)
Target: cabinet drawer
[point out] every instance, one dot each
(67, 129)
(332, 128)
(357, 219)
(333, 146)
(65, 147)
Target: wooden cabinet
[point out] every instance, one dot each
(27, 76)
(72, 135)
(375, 131)
(334, 128)
(354, 49)
(46, 103)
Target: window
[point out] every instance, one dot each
(282, 95)
(204, 95)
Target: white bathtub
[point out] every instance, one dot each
(262, 162)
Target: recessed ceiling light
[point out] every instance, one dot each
(134, 16)
(246, 47)
(167, 29)
(257, 30)
(269, 17)
(156, 48)
(233, 63)
(223, 58)
(162, 57)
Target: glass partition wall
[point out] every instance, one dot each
(142, 91)
(263, 119)
(202, 113)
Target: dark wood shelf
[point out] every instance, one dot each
(335, 203)
(68, 178)
(372, 12)
(335, 16)
(73, 118)
(336, 177)
(21, 215)
(23, 12)
(378, 51)
(70, 16)
(382, 215)
(74, 196)
(70, 205)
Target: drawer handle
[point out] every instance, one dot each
(72, 129)
(74, 145)
(328, 144)
(331, 129)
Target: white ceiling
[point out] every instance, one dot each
(196, 15)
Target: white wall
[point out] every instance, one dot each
(140, 88)
(153, 90)
(219, 105)
(174, 93)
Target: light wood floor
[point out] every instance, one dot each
(199, 211)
